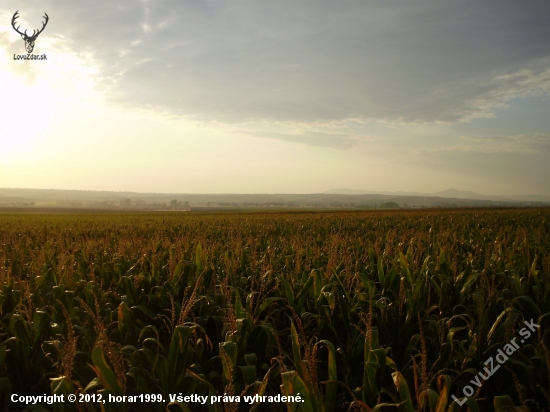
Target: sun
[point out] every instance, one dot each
(38, 96)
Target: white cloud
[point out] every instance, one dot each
(244, 60)
(332, 140)
(224, 82)
(523, 143)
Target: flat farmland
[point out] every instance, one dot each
(353, 311)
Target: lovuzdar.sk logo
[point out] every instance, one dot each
(29, 40)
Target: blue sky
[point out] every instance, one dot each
(284, 96)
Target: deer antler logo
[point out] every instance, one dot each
(29, 40)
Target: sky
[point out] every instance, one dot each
(297, 96)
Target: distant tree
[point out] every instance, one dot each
(389, 205)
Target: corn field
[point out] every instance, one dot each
(355, 311)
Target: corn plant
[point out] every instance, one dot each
(355, 311)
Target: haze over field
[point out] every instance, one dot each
(278, 97)
(45, 199)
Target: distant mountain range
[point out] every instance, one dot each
(448, 194)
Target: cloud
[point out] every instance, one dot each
(310, 61)
(319, 139)
(493, 163)
(521, 143)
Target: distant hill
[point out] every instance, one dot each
(449, 194)
(352, 199)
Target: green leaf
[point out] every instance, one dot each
(444, 386)
(216, 407)
(331, 386)
(296, 353)
(289, 292)
(228, 355)
(198, 256)
(145, 311)
(248, 373)
(265, 304)
(405, 268)
(62, 386)
(403, 389)
(303, 293)
(504, 403)
(104, 372)
(177, 359)
(292, 386)
(39, 321)
(269, 376)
